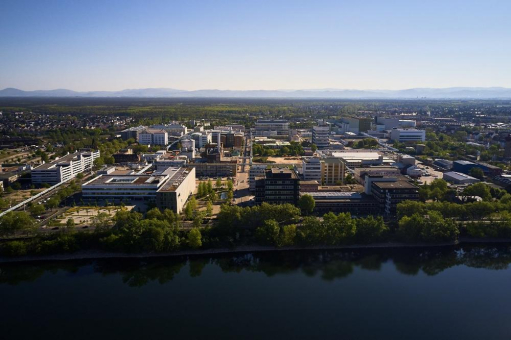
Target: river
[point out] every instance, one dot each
(428, 293)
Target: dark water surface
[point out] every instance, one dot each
(447, 293)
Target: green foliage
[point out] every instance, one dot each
(37, 210)
(430, 228)
(16, 221)
(307, 204)
(478, 189)
(477, 173)
(194, 238)
(371, 229)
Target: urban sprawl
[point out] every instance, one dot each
(328, 175)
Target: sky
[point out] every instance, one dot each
(251, 45)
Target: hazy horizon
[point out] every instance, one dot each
(263, 45)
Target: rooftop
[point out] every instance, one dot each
(458, 175)
(395, 185)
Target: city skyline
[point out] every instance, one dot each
(97, 46)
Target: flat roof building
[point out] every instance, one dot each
(459, 178)
(64, 168)
(169, 188)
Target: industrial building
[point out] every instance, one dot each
(459, 178)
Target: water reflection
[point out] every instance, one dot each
(329, 265)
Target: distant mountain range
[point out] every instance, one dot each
(430, 93)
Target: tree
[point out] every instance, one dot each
(70, 223)
(218, 183)
(370, 229)
(478, 189)
(314, 147)
(201, 192)
(209, 186)
(307, 204)
(101, 221)
(154, 213)
(230, 195)
(15, 221)
(268, 233)
(53, 203)
(198, 219)
(477, 173)
(37, 210)
(230, 185)
(209, 209)
(194, 238)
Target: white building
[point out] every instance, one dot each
(64, 168)
(169, 188)
(173, 129)
(153, 137)
(321, 136)
(272, 127)
(311, 169)
(408, 135)
(357, 158)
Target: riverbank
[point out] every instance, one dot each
(97, 255)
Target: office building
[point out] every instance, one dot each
(272, 128)
(311, 169)
(407, 135)
(388, 194)
(126, 156)
(65, 168)
(168, 189)
(256, 170)
(132, 132)
(332, 171)
(173, 129)
(321, 136)
(153, 137)
(278, 186)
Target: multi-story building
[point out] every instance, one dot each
(224, 169)
(407, 135)
(311, 169)
(173, 129)
(132, 132)
(389, 194)
(169, 188)
(278, 186)
(153, 137)
(272, 127)
(507, 147)
(383, 171)
(321, 136)
(65, 168)
(126, 156)
(256, 170)
(332, 171)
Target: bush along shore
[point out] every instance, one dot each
(268, 227)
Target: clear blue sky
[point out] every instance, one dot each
(356, 44)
